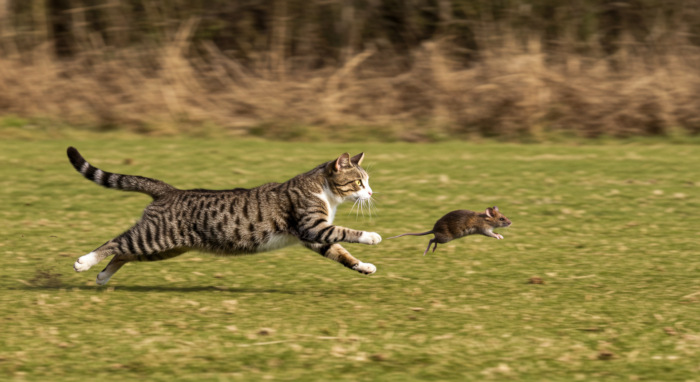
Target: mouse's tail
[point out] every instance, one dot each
(413, 234)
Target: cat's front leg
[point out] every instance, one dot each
(370, 238)
(324, 233)
(337, 253)
(364, 268)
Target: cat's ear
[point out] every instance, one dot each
(357, 159)
(342, 161)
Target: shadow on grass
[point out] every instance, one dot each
(208, 288)
(171, 289)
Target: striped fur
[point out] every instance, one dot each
(149, 186)
(237, 221)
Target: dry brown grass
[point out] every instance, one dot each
(181, 87)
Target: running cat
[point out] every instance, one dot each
(237, 221)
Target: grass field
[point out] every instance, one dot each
(611, 229)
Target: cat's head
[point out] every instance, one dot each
(346, 179)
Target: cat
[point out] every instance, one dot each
(237, 221)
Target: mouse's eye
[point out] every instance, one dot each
(358, 182)
(501, 219)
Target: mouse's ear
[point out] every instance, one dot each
(489, 212)
(495, 208)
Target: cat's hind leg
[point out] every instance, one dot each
(130, 241)
(114, 265)
(118, 261)
(337, 253)
(87, 261)
(142, 242)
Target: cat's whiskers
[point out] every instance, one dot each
(372, 206)
(359, 207)
(357, 211)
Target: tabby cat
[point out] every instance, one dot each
(237, 221)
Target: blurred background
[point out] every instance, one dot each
(414, 70)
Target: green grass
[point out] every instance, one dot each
(611, 229)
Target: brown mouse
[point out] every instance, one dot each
(462, 223)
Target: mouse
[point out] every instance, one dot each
(460, 223)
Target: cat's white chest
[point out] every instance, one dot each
(331, 213)
(331, 203)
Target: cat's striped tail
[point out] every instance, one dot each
(149, 186)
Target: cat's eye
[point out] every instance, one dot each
(358, 182)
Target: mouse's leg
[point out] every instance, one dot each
(493, 234)
(429, 244)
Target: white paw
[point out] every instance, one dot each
(365, 268)
(370, 238)
(85, 262)
(499, 236)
